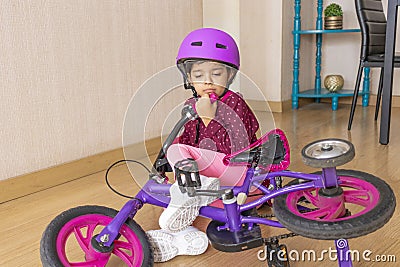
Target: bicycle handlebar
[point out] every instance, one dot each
(188, 113)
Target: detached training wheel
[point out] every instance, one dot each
(67, 240)
(369, 203)
(328, 153)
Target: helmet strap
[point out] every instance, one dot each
(224, 93)
(188, 86)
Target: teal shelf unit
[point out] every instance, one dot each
(318, 91)
(324, 31)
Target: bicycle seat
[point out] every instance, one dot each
(270, 152)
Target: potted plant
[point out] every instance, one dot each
(333, 17)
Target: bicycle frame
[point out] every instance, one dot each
(158, 194)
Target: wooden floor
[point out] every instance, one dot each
(24, 219)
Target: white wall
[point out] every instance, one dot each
(256, 35)
(69, 68)
(224, 15)
(341, 51)
(261, 45)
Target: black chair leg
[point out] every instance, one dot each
(379, 96)
(355, 96)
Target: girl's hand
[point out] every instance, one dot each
(205, 109)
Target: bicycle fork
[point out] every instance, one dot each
(331, 195)
(102, 244)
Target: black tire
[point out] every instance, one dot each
(361, 225)
(333, 161)
(48, 250)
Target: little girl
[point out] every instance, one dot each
(209, 60)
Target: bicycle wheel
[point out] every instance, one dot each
(368, 201)
(66, 240)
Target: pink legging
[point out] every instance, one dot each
(209, 162)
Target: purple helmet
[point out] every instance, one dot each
(209, 43)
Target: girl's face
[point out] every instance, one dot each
(209, 77)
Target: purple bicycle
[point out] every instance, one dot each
(331, 204)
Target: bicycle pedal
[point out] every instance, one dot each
(187, 174)
(277, 254)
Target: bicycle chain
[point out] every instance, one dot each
(288, 235)
(277, 237)
(266, 216)
(283, 236)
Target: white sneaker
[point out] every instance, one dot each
(208, 183)
(167, 245)
(182, 209)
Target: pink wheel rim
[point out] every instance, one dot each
(83, 228)
(357, 193)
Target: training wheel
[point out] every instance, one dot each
(328, 153)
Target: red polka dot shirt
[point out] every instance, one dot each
(234, 126)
